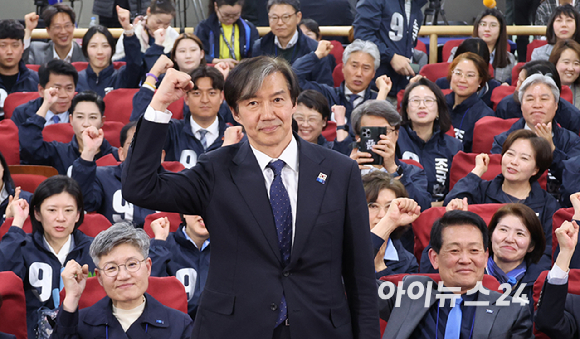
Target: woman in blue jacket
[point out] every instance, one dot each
(8, 190)
(225, 34)
(525, 157)
(99, 47)
(467, 73)
(422, 134)
(56, 212)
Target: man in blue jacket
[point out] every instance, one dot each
(361, 59)
(394, 28)
(287, 41)
(14, 76)
(56, 74)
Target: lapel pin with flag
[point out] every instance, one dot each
(321, 178)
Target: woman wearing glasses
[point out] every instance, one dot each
(56, 212)
(466, 75)
(225, 35)
(121, 254)
(422, 136)
(491, 28)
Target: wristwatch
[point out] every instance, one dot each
(397, 173)
(342, 127)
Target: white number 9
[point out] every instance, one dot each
(397, 27)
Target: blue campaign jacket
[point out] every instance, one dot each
(127, 76)
(407, 262)
(10, 189)
(305, 45)
(179, 257)
(101, 188)
(384, 22)
(28, 257)
(479, 191)
(25, 111)
(484, 93)
(208, 31)
(435, 155)
(27, 80)
(335, 95)
(567, 145)
(35, 151)
(567, 115)
(98, 321)
(415, 181)
(465, 115)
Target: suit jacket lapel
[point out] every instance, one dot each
(248, 177)
(485, 315)
(49, 52)
(310, 194)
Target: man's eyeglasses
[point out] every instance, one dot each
(274, 18)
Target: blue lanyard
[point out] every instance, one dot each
(230, 47)
(437, 325)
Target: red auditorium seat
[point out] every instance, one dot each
(463, 164)
(173, 166)
(329, 132)
(448, 46)
(62, 132)
(80, 65)
(499, 93)
(567, 94)
(28, 182)
(516, 72)
(561, 215)
(421, 47)
(107, 160)
(533, 45)
(486, 129)
(337, 75)
(9, 142)
(167, 290)
(16, 99)
(13, 310)
(174, 221)
(27, 228)
(119, 104)
(93, 224)
(33, 67)
(118, 64)
(435, 71)
(177, 109)
(337, 51)
(112, 130)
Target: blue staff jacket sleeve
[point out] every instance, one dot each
(151, 55)
(141, 100)
(160, 254)
(11, 258)
(468, 187)
(130, 75)
(85, 173)
(33, 148)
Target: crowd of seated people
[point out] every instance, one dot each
(526, 173)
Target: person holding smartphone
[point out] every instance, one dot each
(380, 119)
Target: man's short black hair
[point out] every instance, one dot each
(293, 3)
(57, 67)
(217, 79)
(87, 96)
(11, 29)
(50, 11)
(125, 130)
(457, 218)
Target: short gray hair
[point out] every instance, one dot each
(378, 108)
(364, 46)
(118, 234)
(539, 79)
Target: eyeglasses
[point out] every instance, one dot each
(229, 16)
(112, 269)
(274, 18)
(490, 24)
(310, 121)
(66, 27)
(416, 102)
(375, 208)
(468, 76)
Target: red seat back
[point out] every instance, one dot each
(27, 228)
(533, 45)
(561, 215)
(329, 132)
(177, 109)
(119, 104)
(33, 67)
(499, 93)
(16, 99)
(173, 166)
(28, 182)
(516, 72)
(80, 65)
(167, 290)
(93, 224)
(421, 46)
(337, 75)
(62, 132)
(448, 46)
(13, 310)
(118, 64)
(337, 50)
(107, 160)
(567, 94)
(435, 71)
(9, 142)
(463, 164)
(486, 129)
(174, 221)
(112, 130)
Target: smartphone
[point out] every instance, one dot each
(369, 137)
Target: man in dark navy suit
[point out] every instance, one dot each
(291, 252)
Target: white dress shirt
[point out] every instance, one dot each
(68, 57)
(213, 131)
(64, 251)
(292, 42)
(62, 116)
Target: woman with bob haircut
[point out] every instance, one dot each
(467, 74)
(56, 212)
(566, 57)
(525, 157)
(422, 135)
(99, 47)
(564, 24)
